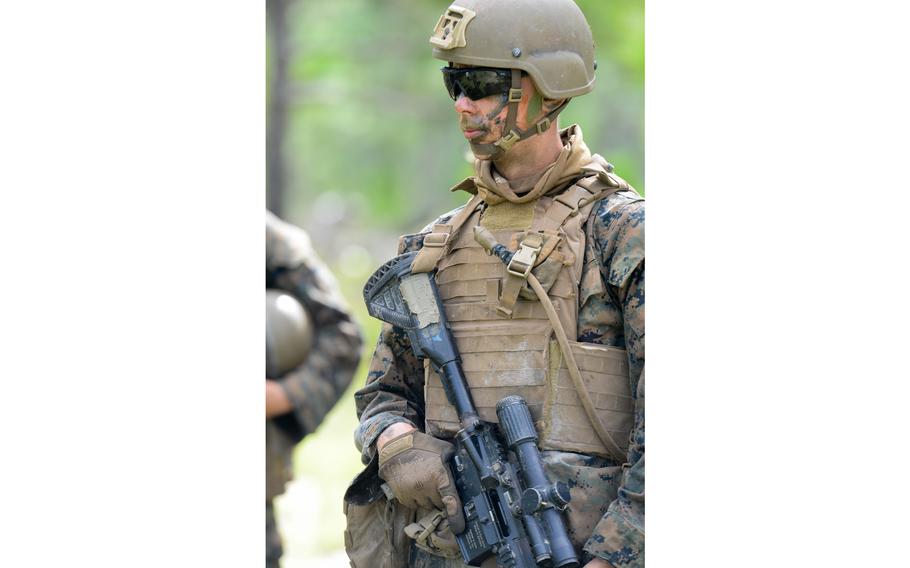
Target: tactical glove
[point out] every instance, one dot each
(414, 466)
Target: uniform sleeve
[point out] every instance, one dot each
(619, 537)
(316, 385)
(393, 391)
(394, 388)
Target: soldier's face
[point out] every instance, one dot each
(483, 120)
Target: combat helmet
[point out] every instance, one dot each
(288, 333)
(550, 40)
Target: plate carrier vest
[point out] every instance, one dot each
(504, 336)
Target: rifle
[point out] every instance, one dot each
(511, 509)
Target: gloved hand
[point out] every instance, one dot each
(415, 467)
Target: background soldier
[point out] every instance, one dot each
(303, 381)
(512, 66)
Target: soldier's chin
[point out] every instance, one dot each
(480, 151)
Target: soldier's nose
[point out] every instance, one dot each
(464, 105)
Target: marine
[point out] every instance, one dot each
(312, 350)
(577, 354)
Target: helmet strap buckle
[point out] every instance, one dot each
(507, 141)
(543, 125)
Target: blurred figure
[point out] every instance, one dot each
(312, 350)
(562, 214)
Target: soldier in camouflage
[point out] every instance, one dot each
(512, 66)
(299, 398)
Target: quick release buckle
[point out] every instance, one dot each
(523, 260)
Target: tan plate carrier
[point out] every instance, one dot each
(506, 339)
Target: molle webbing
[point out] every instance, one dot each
(518, 355)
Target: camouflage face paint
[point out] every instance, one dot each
(485, 123)
(503, 102)
(535, 105)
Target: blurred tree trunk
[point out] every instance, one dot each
(279, 43)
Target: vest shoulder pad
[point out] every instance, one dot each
(414, 241)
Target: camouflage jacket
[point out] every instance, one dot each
(315, 385)
(611, 313)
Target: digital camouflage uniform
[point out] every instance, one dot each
(314, 386)
(611, 312)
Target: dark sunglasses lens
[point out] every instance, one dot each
(451, 83)
(476, 83)
(480, 83)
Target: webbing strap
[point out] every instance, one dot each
(434, 243)
(515, 95)
(426, 535)
(564, 206)
(518, 270)
(505, 143)
(602, 185)
(570, 202)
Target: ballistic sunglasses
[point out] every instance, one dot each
(476, 82)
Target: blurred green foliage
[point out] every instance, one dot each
(372, 147)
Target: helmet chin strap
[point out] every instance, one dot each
(497, 149)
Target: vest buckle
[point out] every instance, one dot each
(523, 260)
